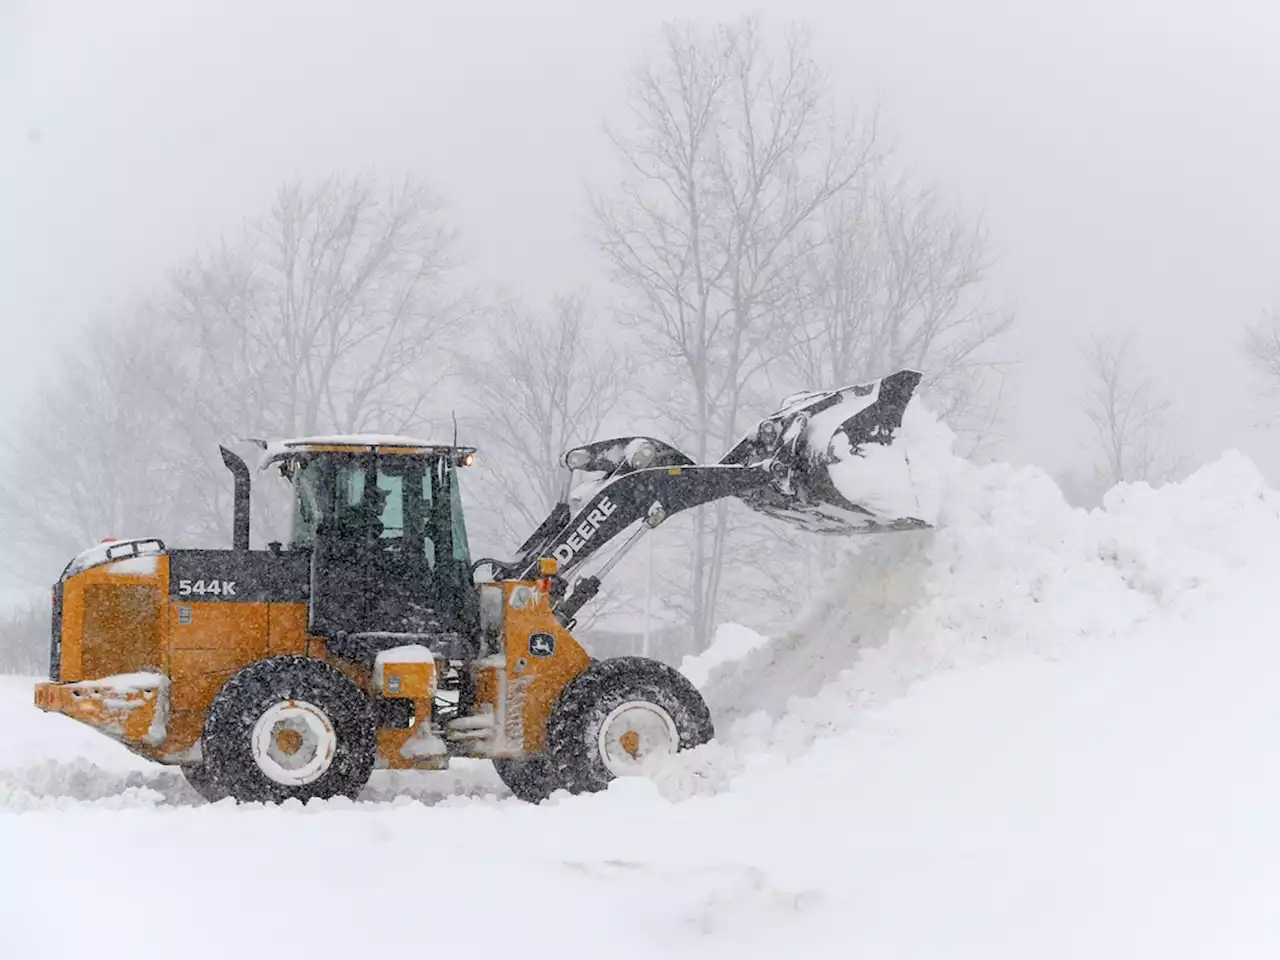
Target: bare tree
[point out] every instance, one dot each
(731, 158)
(24, 639)
(1129, 415)
(897, 283)
(81, 461)
(330, 314)
(543, 383)
(1262, 348)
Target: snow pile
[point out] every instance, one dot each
(1202, 532)
(731, 643)
(1010, 571)
(901, 480)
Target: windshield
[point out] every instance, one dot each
(306, 502)
(413, 504)
(461, 547)
(441, 491)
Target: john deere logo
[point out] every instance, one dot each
(541, 645)
(585, 531)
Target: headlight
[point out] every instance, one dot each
(577, 459)
(643, 455)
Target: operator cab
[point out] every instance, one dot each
(382, 519)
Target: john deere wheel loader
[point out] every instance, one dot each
(370, 639)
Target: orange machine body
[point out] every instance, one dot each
(141, 661)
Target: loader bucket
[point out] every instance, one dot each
(836, 460)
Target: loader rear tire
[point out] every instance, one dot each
(289, 728)
(200, 780)
(623, 717)
(531, 780)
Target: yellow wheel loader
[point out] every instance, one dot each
(372, 639)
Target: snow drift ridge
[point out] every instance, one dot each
(1011, 570)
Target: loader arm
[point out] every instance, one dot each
(808, 465)
(652, 495)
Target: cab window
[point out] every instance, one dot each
(392, 516)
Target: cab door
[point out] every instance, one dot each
(371, 569)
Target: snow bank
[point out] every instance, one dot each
(731, 643)
(1011, 571)
(904, 479)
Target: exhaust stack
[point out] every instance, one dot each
(240, 517)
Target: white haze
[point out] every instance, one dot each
(1122, 154)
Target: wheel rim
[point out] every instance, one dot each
(293, 743)
(637, 738)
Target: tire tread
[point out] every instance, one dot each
(571, 729)
(229, 768)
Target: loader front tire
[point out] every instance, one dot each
(289, 728)
(199, 779)
(623, 717)
(531, 780)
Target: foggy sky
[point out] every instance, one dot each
(1123, 155)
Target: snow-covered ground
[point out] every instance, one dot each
(1035, 732)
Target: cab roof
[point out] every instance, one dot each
(386, 444)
